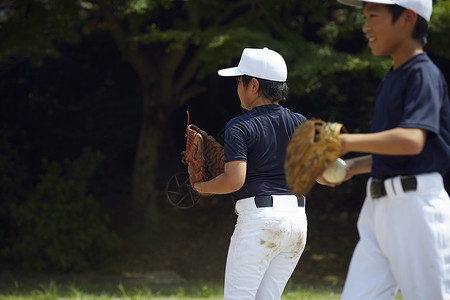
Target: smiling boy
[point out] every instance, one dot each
(404, 224)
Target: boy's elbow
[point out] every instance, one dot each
(419, 141)
(236, 185)
(416, 148)
(415, 142)
(411, 151)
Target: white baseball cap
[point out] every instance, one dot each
(260, 63)
(422, 7)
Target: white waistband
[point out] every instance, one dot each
(279, 202)
(425, 182)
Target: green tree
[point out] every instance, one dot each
(173, 44)
(438, 43)
(60, 227)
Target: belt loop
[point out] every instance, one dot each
(390, 186)
(397, 186)
(369, 184)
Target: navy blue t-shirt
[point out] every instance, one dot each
(414, 96)
(260, 137)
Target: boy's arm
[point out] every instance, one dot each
(231, 180)
(397, 141)
(355, 166)
(359, 165)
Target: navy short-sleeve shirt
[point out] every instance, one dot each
(260, 137)
(414, 96)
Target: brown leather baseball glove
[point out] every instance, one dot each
(313, 147)
(204, 155)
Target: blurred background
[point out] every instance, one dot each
(93, 101)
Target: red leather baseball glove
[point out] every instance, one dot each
(204, 155)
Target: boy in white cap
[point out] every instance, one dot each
(270, 233)
(404, 224)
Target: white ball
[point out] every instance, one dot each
(335, 172)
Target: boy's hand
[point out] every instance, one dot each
(348, 174)
(313, 147)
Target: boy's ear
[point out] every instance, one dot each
(410, 18)
(254, 84)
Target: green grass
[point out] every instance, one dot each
(185, 259)
(52, 291)
(70, 291)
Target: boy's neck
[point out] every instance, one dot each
(405, 54)
(259, 101)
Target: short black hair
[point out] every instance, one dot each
(273, 90)
(421, 28)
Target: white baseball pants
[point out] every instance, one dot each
(404, 244)
(265, 248)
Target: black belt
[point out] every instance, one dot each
(377, 189)
(267, 201)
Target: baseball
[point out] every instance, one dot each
(335, 172)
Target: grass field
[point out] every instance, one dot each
(185, 259)
(70, 291)
(110, 289)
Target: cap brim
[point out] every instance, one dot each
(230, 72)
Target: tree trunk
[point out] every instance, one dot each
(145, 193)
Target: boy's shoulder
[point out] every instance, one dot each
(239, 119)
(298, 116)
(423, 58)
(421, 63)
(254, 114)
